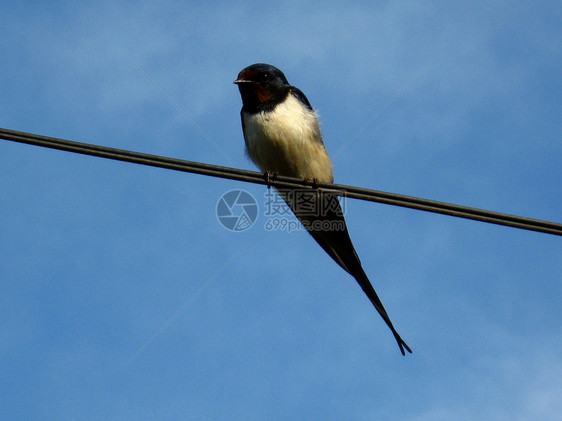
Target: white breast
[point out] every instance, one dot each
(287, 140)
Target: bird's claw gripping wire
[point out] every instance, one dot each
(313, 182)
(269, 176)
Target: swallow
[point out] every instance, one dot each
(282, 135)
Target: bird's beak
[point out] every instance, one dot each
(238, 81)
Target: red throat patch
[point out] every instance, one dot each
(261, 93)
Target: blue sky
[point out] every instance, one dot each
(101, 259)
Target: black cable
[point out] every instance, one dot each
(284, 182)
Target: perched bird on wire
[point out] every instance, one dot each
(282, 135)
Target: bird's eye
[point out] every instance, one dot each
(265, 77)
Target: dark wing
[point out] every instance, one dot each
(297, 93)
(244, 129)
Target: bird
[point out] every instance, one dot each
(282, 136)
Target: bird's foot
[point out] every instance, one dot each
(269, 176)
(315, 183)
(312, 181)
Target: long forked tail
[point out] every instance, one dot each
(343, 252)
(368, 289)
(327, 226)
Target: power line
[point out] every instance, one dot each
(284, 182)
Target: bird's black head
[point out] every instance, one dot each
(262, 86)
